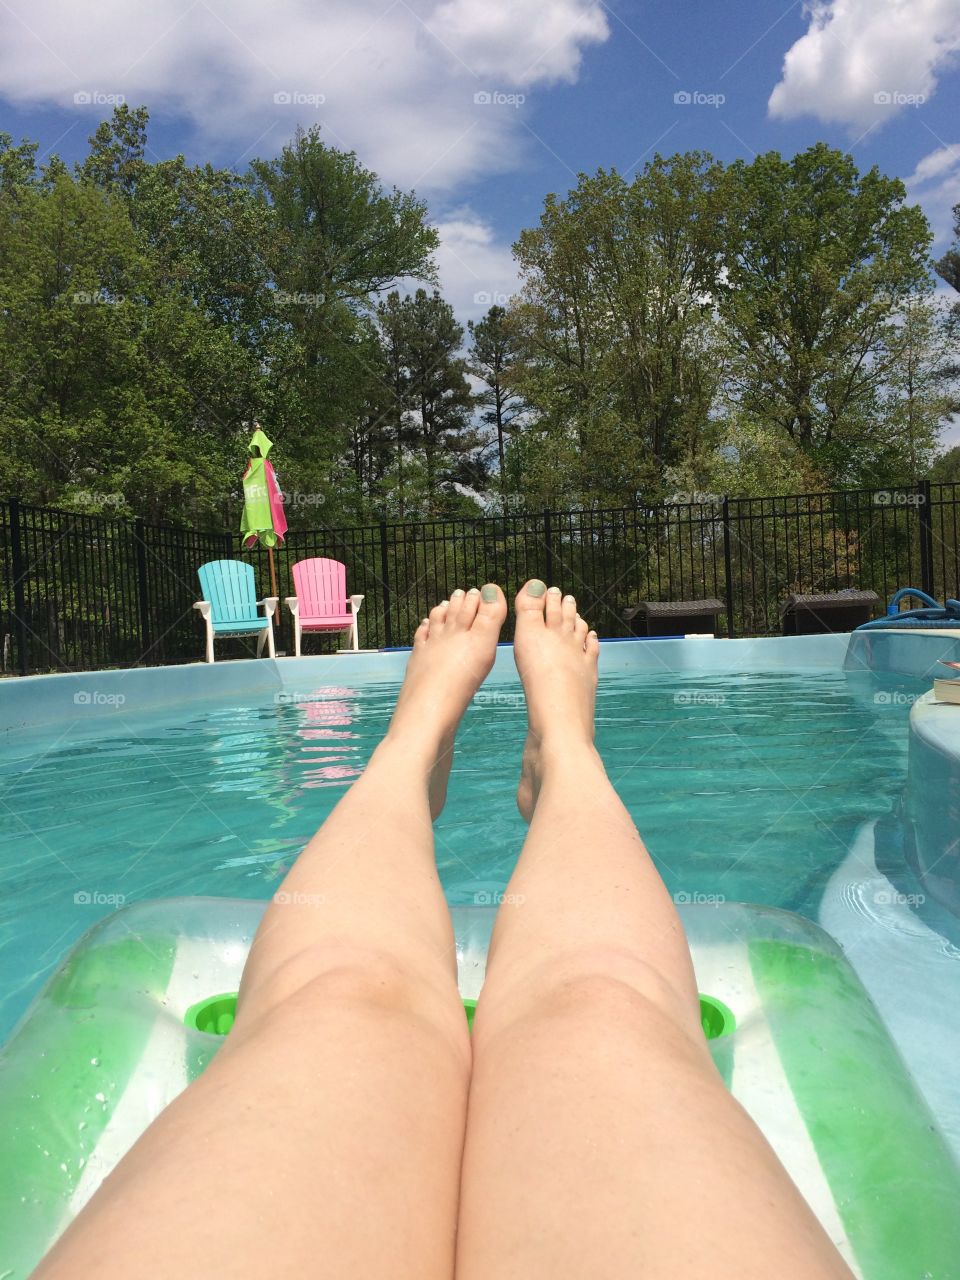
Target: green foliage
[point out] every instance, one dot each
(820, 261)
(152, 311)
(495, 361)
(617, 325)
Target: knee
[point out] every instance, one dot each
(604, 985)
(332, 975)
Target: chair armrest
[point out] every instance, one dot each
(269, 604)
(293, 604)
(204, 607)
(355, 603)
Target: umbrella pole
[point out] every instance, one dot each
(273, 572)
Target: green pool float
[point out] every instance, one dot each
(143, 1002)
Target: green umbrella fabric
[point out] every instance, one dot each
(263, 518)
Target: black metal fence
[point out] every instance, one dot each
(82, 591)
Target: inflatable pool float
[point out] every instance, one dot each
(140, 1006)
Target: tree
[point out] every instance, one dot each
(494, 357)
(619, 282)
(820, 261)
(431, 399)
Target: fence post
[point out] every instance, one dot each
(143, 598)
(385, 586)
(18, 563)
(727, 566)
(548, 544)
(926, 538)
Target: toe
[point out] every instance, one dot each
(554, 607)
(456, 604)
(580, 629)
(492, 607)
(593, 645)
(420, 635)
(468, 608)
(568, 612)
(531, 598)
(438, 615)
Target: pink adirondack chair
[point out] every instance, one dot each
(321, 602)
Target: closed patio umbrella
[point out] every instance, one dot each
(263, 519)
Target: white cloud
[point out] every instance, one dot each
(935, 186)
(476, 270)
(861, 61)
(393, 81)
(524, 41)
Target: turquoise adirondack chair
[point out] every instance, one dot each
(321, 602)
(229, 605)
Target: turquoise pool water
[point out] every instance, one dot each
(747, 788)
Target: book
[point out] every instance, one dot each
(947, 690)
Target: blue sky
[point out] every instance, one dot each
(486, 105)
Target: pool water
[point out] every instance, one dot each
(745, 788)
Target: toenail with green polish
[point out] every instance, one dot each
(489, 593)
(536, 587)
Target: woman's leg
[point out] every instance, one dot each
(601, 1140)
(325, 1138)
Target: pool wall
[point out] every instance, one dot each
(33, 701)
(932, 803)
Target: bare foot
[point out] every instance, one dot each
(453, 650)
(556, 654)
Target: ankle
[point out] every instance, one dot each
(565, 755)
